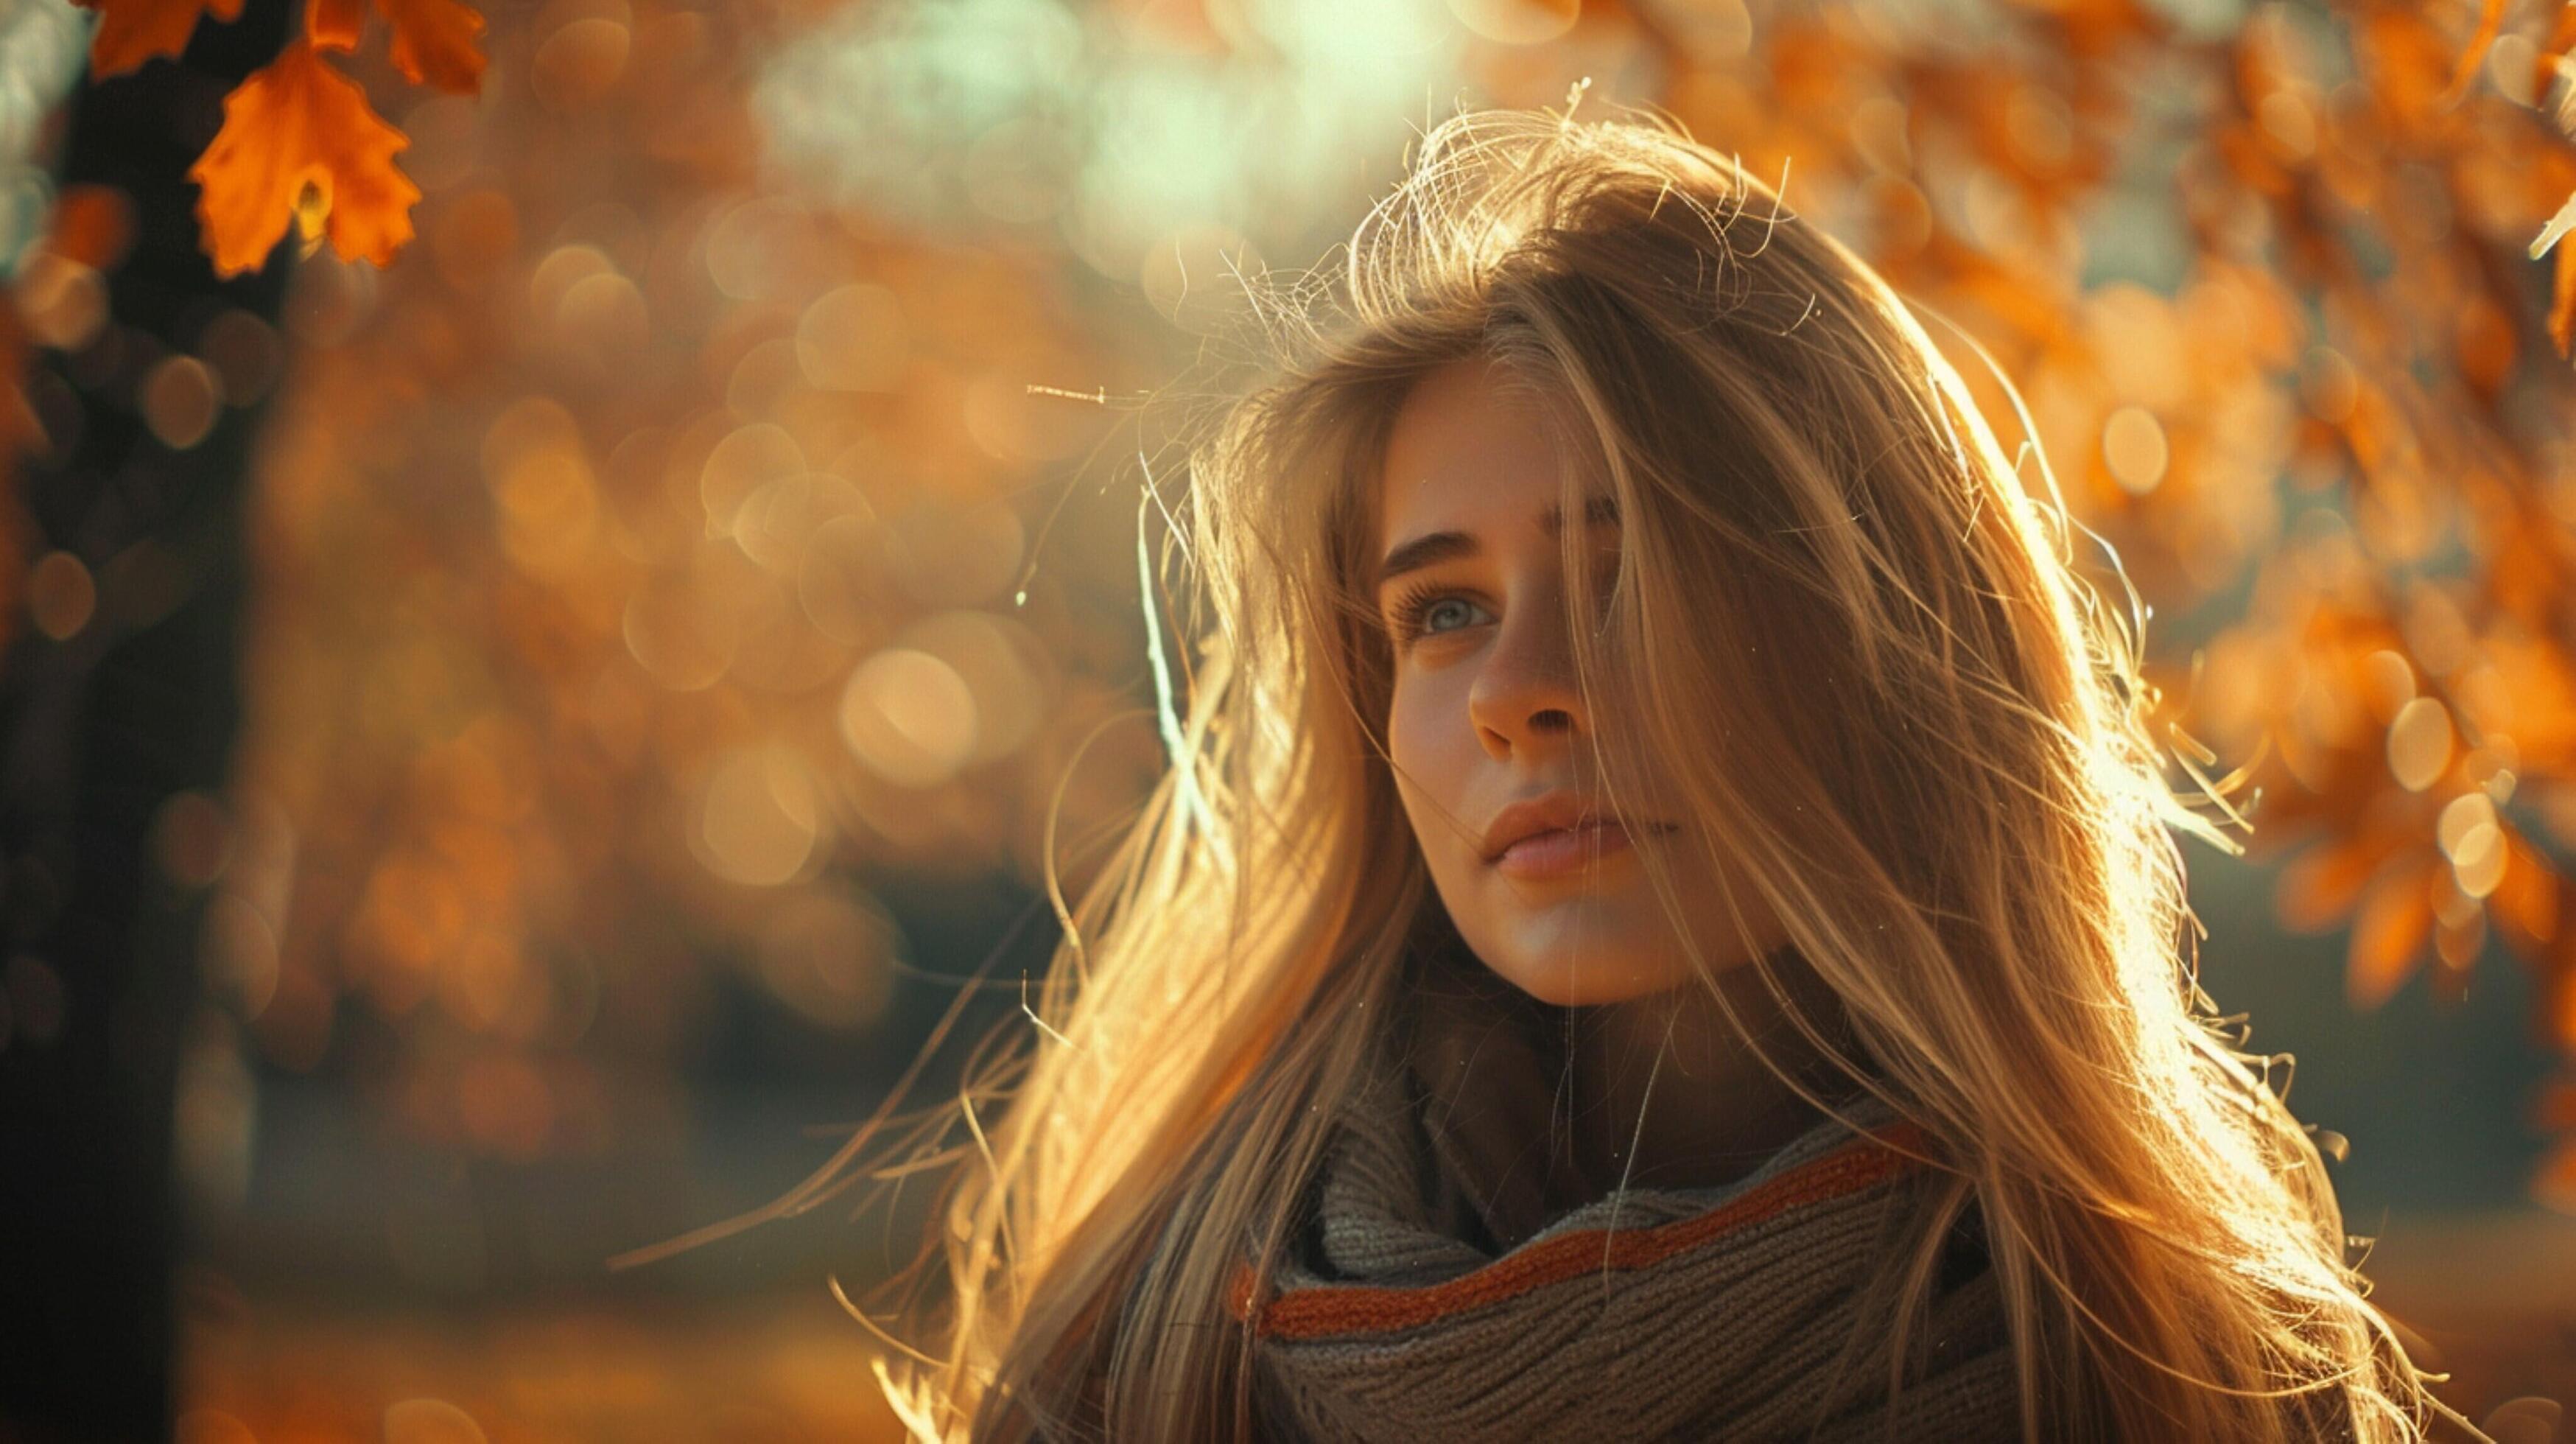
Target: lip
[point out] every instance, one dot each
(1557, 833)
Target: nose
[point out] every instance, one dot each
(1524, 697)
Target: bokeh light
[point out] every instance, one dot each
(708, 554)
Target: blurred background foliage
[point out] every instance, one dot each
(690, 586)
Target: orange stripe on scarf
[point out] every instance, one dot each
(1340, 1309)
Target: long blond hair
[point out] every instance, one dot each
(1857, 639)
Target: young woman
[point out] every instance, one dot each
(1664, 921)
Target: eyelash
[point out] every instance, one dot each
(1411, 607)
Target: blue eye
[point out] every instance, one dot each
(1435, 609)
(1419, 611)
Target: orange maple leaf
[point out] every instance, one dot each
(2388, 934)
(300, 140)
(434, 43)
(133, 31)
(334, 24)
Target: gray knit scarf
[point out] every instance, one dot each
(1424, 1300)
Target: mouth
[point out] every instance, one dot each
(1559, 841)
(1562, 849)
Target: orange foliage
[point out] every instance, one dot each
(335, 24)
(2318, 888)
(2347, 385)
(133, 31)
(434, 43)
(300, 139)
(2388, 935)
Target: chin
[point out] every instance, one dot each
(1577, 991)
(1576, 952)
(1587, 985)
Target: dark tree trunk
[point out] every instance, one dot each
(101, 729)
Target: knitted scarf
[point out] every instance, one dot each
(1412, 1307)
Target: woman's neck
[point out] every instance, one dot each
(1667, 1093)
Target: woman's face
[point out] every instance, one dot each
(1485, 715)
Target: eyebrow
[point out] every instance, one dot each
(1433, 548)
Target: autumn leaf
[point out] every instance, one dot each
(2526, 901)
(2490, 20)
(2545, 66)
(2388, 936)
(334, 24)
(299, 140)
(434, 43)
(133, 31)
(2320, 885)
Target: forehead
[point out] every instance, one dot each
(1472, 449)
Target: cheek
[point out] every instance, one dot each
(1426, 780)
